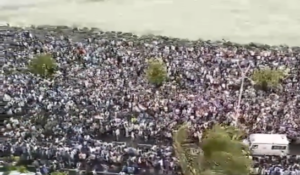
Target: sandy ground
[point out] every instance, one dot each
(264, 21)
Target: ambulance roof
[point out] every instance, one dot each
(269, 139)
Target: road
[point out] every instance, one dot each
(264, 21)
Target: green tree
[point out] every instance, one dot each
(22, 169)
(8, 169)
(156, 72)
(266, 78)
(11, 168)
(43, 65)
(220, 151)
(59, 173)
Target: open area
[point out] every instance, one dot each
(243, 21)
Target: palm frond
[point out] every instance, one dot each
(221, 152)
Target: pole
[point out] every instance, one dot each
(237, 108)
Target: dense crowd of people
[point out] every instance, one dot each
(99, 111)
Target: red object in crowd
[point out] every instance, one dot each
(82, 51)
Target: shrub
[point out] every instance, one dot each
(10, 169)
(156, 72)
(59, 173)
(43, 65)
(268, 78)
(22, 169)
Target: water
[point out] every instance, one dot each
(264, 21)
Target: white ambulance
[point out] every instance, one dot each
(268, 144)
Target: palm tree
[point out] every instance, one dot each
(190, 163)
(156, 72)
(220, 151)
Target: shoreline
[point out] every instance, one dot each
(79, 33)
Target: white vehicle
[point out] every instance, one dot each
(268, 144)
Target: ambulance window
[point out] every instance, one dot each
(279, 147)
(254, 147)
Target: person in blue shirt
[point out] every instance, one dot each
(130, 169)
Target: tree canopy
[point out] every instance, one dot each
(42, 65)
(156, 72)
(220, 151)
(268, 78)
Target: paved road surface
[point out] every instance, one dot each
(267, 21)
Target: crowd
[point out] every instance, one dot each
(99, 107)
